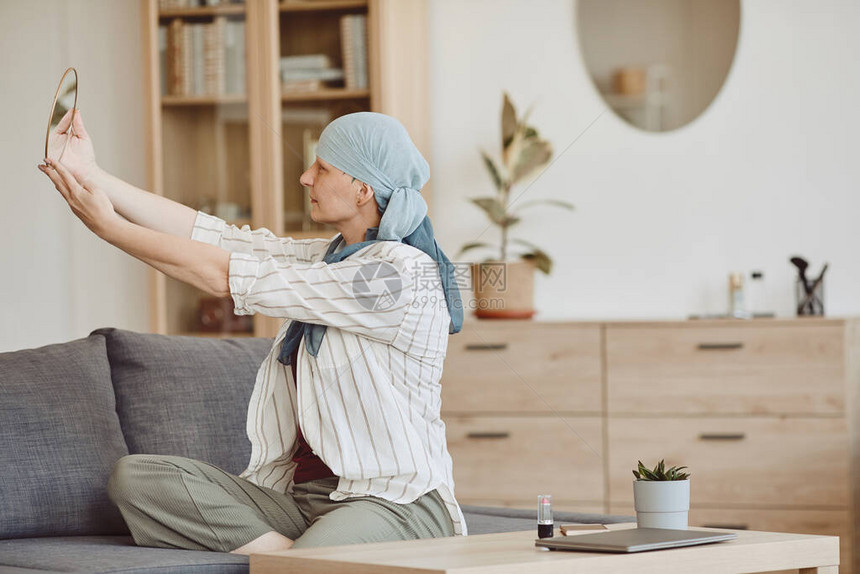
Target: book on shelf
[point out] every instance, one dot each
(325, 75)
(179, 4)
(307, 72)
(213, 57)
(353, 41)
(302, 86)
(162, 59)
(203, 58)
(234, 53)
(186, 73)
(197, 67)
(360, 23)
(305, 61)
(330, 75)
(174, 56)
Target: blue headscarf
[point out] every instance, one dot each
(377, 150)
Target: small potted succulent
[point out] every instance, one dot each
(661, 496)
(510, 294)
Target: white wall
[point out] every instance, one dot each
(59, 281)
(769, 170)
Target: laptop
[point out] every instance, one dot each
(634, 540)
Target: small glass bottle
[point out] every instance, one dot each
(544, 516)
(736, 296)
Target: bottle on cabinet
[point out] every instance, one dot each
(737, 307)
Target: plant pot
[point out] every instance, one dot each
(661, 503)
(504, 290)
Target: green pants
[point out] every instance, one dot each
(178, 502)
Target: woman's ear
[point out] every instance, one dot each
(365, 194)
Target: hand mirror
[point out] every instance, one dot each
(65, 100)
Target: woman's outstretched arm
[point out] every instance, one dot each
(144, 208)
(198, 264)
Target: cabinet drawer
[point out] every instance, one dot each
(517, 458)
(794, 369)
(763, 461)
(521, 366)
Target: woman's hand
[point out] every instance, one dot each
(79, 156)
(87, 201)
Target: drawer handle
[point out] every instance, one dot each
(504, 434)
(720, 346)
(486, 346)
(722, 436)
(727, 526)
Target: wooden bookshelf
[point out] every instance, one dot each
(245, 151)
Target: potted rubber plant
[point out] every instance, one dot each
(504, 282)
(661, 496)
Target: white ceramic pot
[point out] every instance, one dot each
(661, 503)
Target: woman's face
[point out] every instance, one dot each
(332, 192)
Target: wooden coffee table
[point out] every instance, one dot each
(515, 553)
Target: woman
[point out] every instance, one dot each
(347, 442)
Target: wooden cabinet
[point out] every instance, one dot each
(761, 411)
(237, 151)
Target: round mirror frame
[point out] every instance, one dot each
(54, 105)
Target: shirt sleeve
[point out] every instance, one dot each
(367, 296)
(260, 242)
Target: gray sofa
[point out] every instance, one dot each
(69, 411)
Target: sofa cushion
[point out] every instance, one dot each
(15, 570)
(185, 396)
(60, 437)
(112, 554)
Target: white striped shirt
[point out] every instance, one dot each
(369, 403)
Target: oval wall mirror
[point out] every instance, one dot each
(658, 64)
